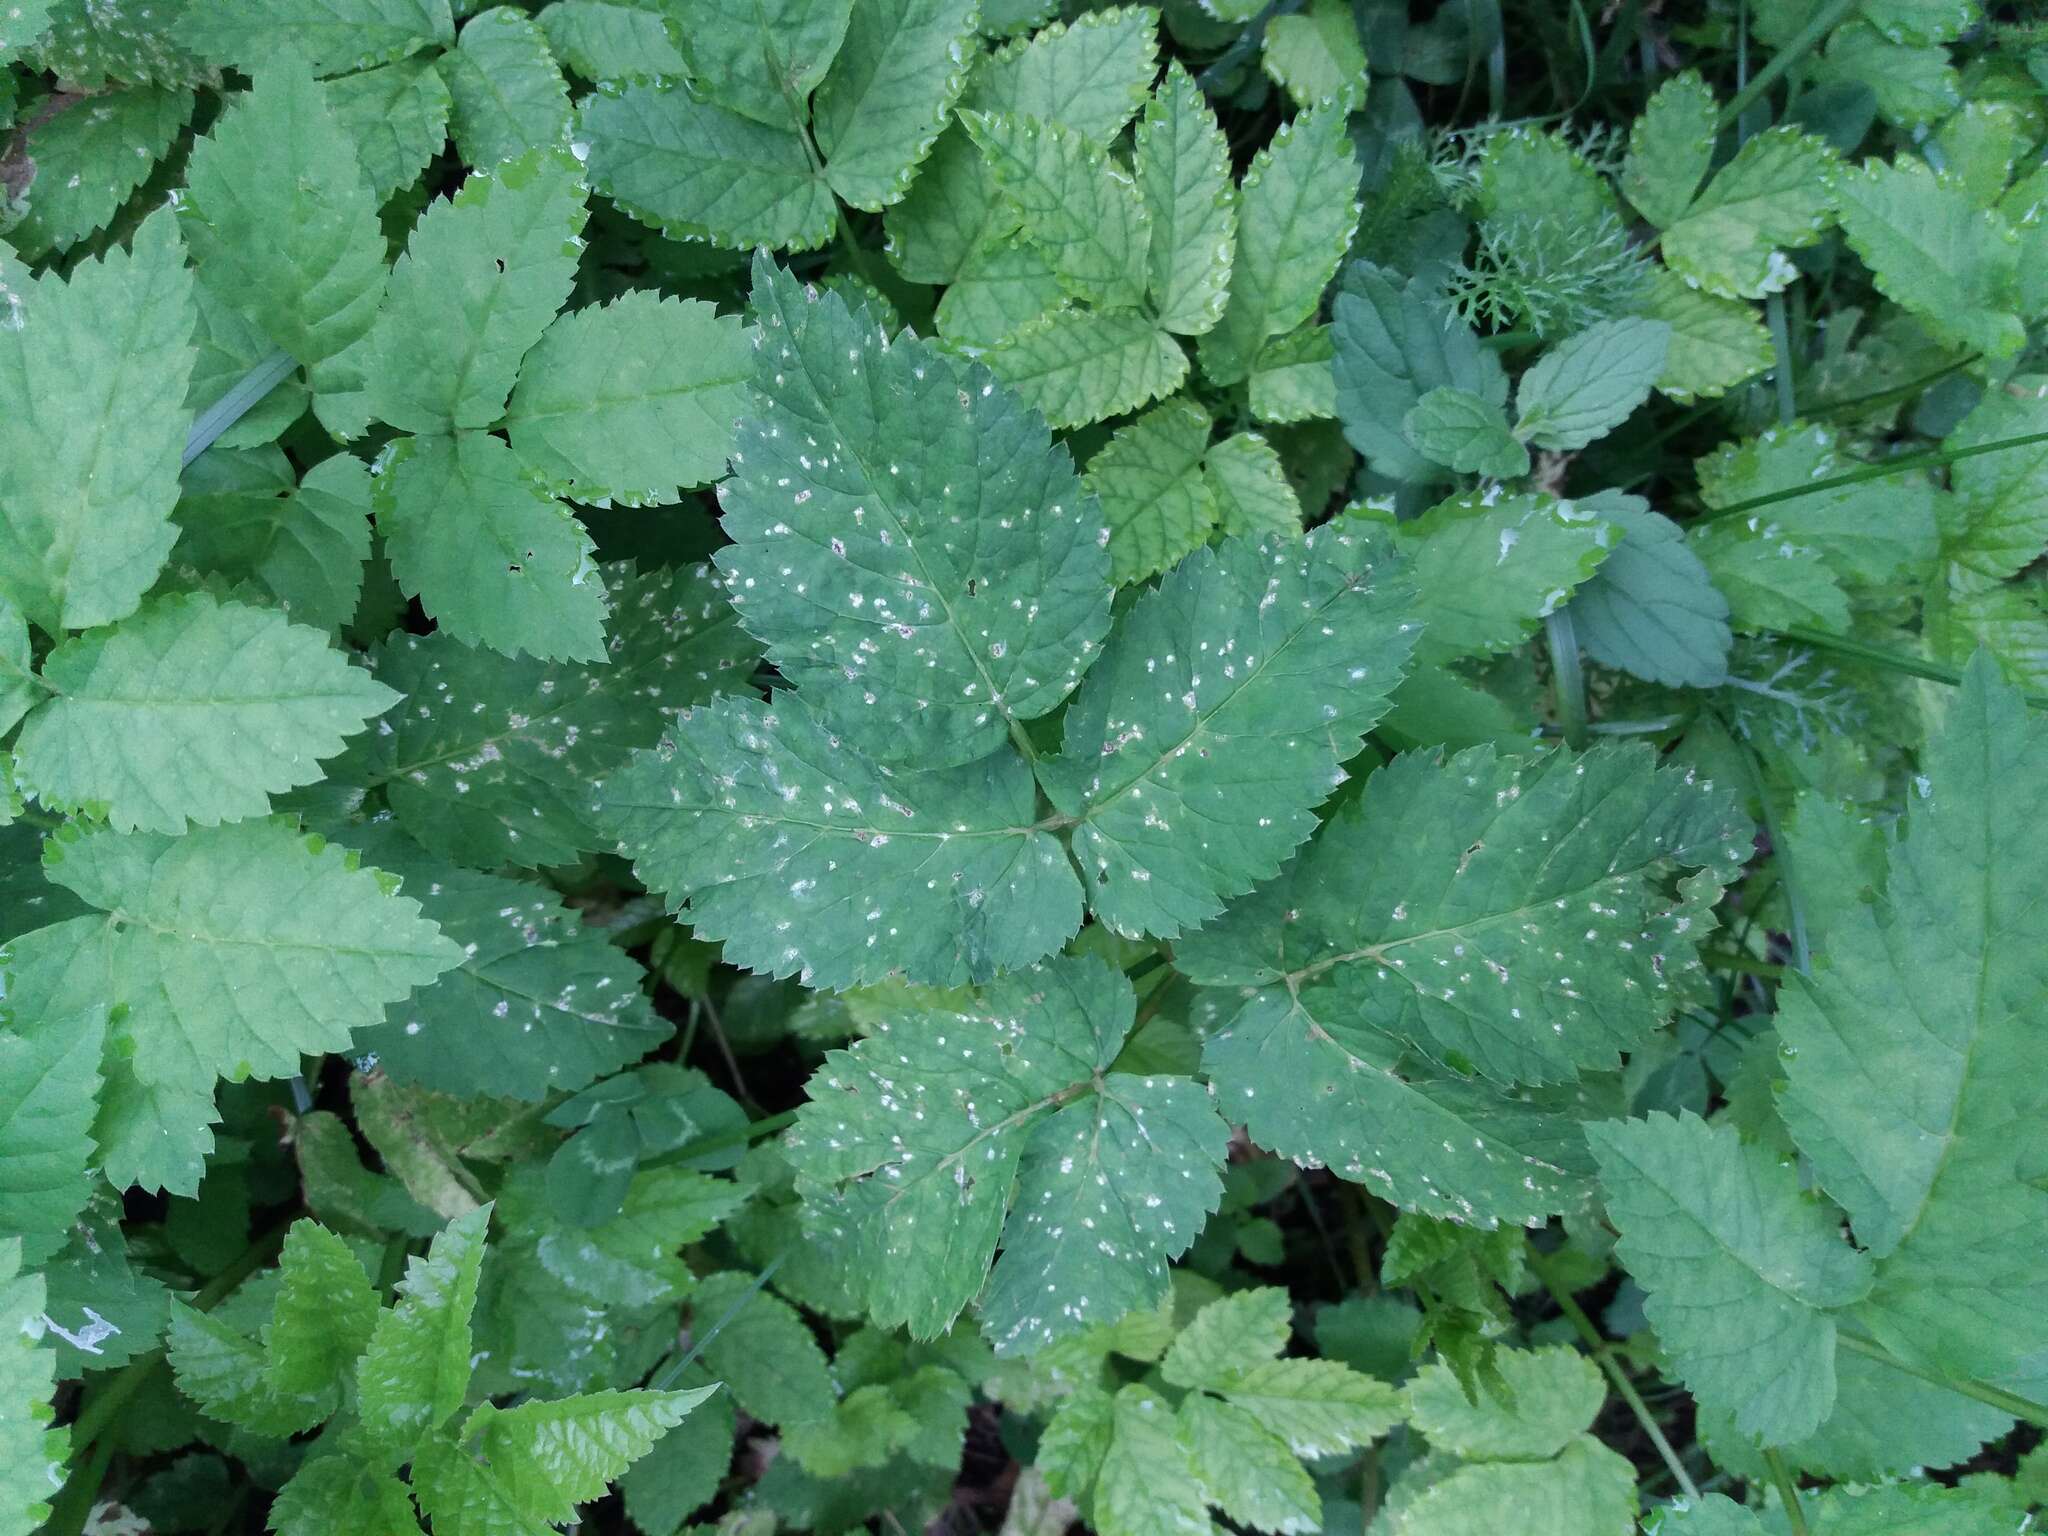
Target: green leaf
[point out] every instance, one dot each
(1291, 379)
(681, 1474)
(1953, 266)
(1590, 383)
(1713, 1515)
(1182, 166)
(224, 1373)
(102, 1311)
(1463, 432)
(759, 59)
(1315, 56)
(1075, 1442)
(1913, 87)
(1651, 608)
(1083, 211)
(506, 93)
(864, 1430)
(912, 643)
(335, 36)
(1090, 74)
(1996, 524)
(1196, 752)
(396, 116)
(551, 1457)
(1902, 1049)
(34, 1454)
(1490, 566)
(1245, 1471)
(414, 1375)
(1670, 148)
(691, 168)
(1716, 343)
(1077, 366)
(509, 783)
(1775, 195)
(611, 39)
(1000, 289)
(20, 690)
(1113, 1175)
(1743, 1271)
(1297, 209)
(1768, 581)
(1586, 1491)
(228, 951)
(338, 1493)
(242, 518)
(632, 401)
(1249, 482)
(804, 857)
(93, 374)
(1393, 345)
(48, 1079)
(1539, 1401)
(889, 94)
(1228, 1336)
(763, 1348)
(492, 557)
(631, 1260)
(191, 711)
(280, 220)
(89, 158)
(1155, 498)
(323, 1318)
(481, 277)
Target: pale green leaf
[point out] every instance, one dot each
(951, 217)
(34, 1454)
(279, 218)
(1148, 478)
(1228, 1336)
(864, 1430)
(48, 1079)
(1716, 343)
(1954, 266)
(1775, 195)
(1586, 1491)
(1291, 379)
(1769, 581)
(1464, 432)
(19, 689)
(1996, 524)
(506, 93)
(1743, 1271)
(396, 116)
(1243, 1470)
(759, 58)
(414, 1375)
(1147, 1484)
(913, 642)
(1078, 366)
(1249, 482)
(1076, 205)
(492, 557)
(88, 158)
(1315, 55)
(1590, 383)
(191, 711)
(1090, 74)
(1393, 344)
(1296, 212)
(633, 400)
(763, 1348)
(1552, 1397)
(1182, 165)
(1670, 148)
(1071, 1451)
(889, 93)
(243, 519)
(1315, 1407)
(1216, 721)
(223, 1372)
(1000, 289)
(338, 1493)
(1913, 87)
(1651, 608)
(335, 36)
(551, 1457)
(93, 373)
(323, 1317)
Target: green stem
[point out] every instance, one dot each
(1896, 392)
(1575, 1315)
(231, 407)
(753, 1132)
(1567, 677)
(1885, 660)
(1741, 965)
(1824, 21)
(2024, 1409)
(1933, 458)
(1781, 352)
(1788, 1491)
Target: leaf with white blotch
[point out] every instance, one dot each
(335, 36)
(1775, 195)
(241, 517)
(1907, 1050)
(48, 1079)
(1716, 343)
(481, 277)
(282, 225)
(1182, 165)
(397, 118)
(89, 155)
(1996, 524)
(758, 58)
(191, 711)
(1490, 566)
(492, 557)
(93, 372)
(923, 1136)
(496, 769)
(889, 94)
(506, 92)
(1464, 432)
(1587, 1490)
(1651, 608)
(414, 1374)
(1154, 497)
(1196, 753)
(540, 1004)
(918, 557)
(1743, 1271)
(228, 951)
(1590, 383)
(1670, 148)
(1296, 212)
(692, 169)
(1870, 534)
(1076, 205)
(1552, 1397)
(1077, 366)
(1253, 496)
(805, 857)
(632, 401)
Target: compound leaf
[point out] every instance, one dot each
(889, 94)
(1182, 166)
(1154, 496)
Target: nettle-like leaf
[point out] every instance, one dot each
(243, 518)
(397, 117)
(1651, 608)
(191, 711)
(1587, 385)
(1775, 195)
(918, 558)
(49, 1077)
(1080, 209)
(1154, 496)
(229, 951)
(948, 1133)
(1473, 916)
(89, 158)
(901, 67)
